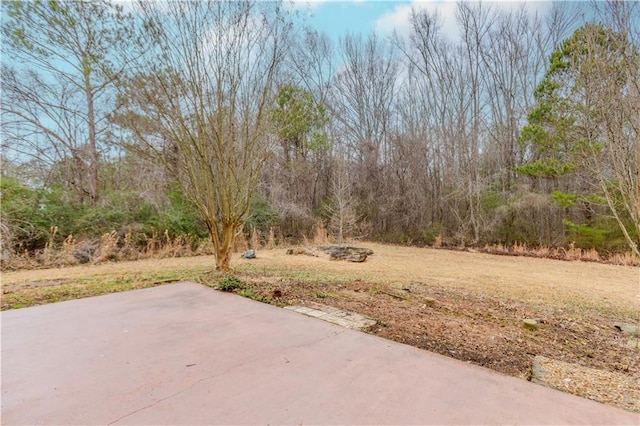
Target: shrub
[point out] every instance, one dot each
(261, 215)
(229, 283)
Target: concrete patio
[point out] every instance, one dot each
(187, 354)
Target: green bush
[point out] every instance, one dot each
(261, 215)
(25, 214)
(229, 283)
(29, 213)
(250, 294)
(180, 217)
(603, 235)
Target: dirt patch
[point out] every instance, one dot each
(21, 286)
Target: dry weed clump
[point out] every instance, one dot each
(205, 248)
(153, 242)
(320, 236)
(254, 243)
(52, 254)
(271, 241)
(111, 246)
(69, 247)
(562, 253)
(48, 253)
(107, 248)
(240, 244)
(626, 259)
(13, 261)
(128, 251)
(180, 246)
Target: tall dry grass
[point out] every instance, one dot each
(132, 245)
(320, 235)
(562, 253)
(126, 245)
(240, 244)
(254, 243)
(111, 246)
(271, 241)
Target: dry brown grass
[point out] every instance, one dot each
(320, 236)
(271, 241)
(255, 239)
(565, 284)
(573, 285)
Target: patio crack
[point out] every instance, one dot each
(222, 373)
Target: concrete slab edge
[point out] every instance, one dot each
(334, 315)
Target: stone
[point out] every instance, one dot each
(336, 316)
(249, 254)
(357, 258)
(530, 324)
(352, 254)
(429, 301)
(300, 250)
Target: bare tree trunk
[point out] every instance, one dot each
(92, 163)
(222, 236)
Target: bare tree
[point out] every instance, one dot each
(362, 100)
(341, 205)
(206, 84)
(313, 62)
(363, 91)
(452, 96)
(55, 91)
(624, 129)
(296, 178)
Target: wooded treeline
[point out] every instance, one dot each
(212, 119)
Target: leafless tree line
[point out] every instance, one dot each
(422, 131)
(428, 126)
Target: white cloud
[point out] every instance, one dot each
(399, 18)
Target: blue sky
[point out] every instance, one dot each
(338, 17)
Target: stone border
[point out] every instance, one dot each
(333, 315)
